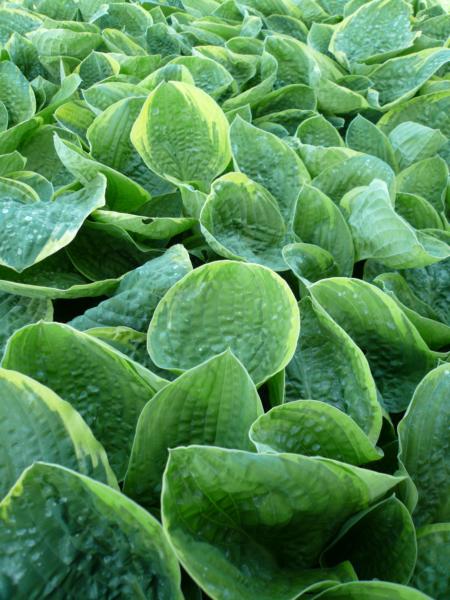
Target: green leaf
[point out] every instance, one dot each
(380, 543)
(313, 428)
(328, 366)
(431, 574)
(427, 178)
(380, 233)
(207, 74)
(423, 317)
(241, 220)
(309, 262)
(65, 42)
(399, 78)
(414, 142)
(107, 389)
(335, 181)
(368, 33)
(45, 428)
(243, 526)
(14, 19)
(138, 293)
(429, 110)
(16, 94)
(39, 151)
(212, 404)
(417, 211)
(122, 193)
(16, 311)
(74, 525)
(55, 224)
(182, 133)
(101, 96)
(109, 139)
(319, 221)
(102, 251)
(317, 131)
(244, 307)
(145, 228)
(54, 277)
(364, 136)
(397, 355)
(424, 441)
(270, 162)
(371, 590)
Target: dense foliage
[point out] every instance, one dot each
(224, 299)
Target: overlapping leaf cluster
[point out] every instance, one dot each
(224, 299)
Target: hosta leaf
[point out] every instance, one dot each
(328, 366)
(16, 311)
(380, 233)
(399, 78)
(397, 355)
(182, 133)
(380, 543)
(35, 230)
(337, 180)
(241, 220)
(64, 42)
(319, 221)
(46, 428)
(317, 131)
(423, 317)
(109, 139)
(16, 94)
(131, 343)
(54, 277)
(138, 293)
(101, 96)
(371, 590)
(299, 63)
(107, 389)
(245, 525)
(334, 99)
(313, 428)
(96, 67)
(212, 404)
(430, 110)
(309, 262)
(364, 136)
(431, 574)
(14, 19)
(424, 442)
(414, 142)
(72, 525)
(244, 307)
(207, 74)
(368, 32)
(102, 251)
(146, 228)
(39, 151)
(268, 161)
(427, 178)
(122, 193)
(417, 211)
(75, 116)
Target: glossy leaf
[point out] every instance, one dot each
(108, 390)
(424, 441)
(68, 521)
(245, 524)
(313, 428)
(244, 307)
(212, 404)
